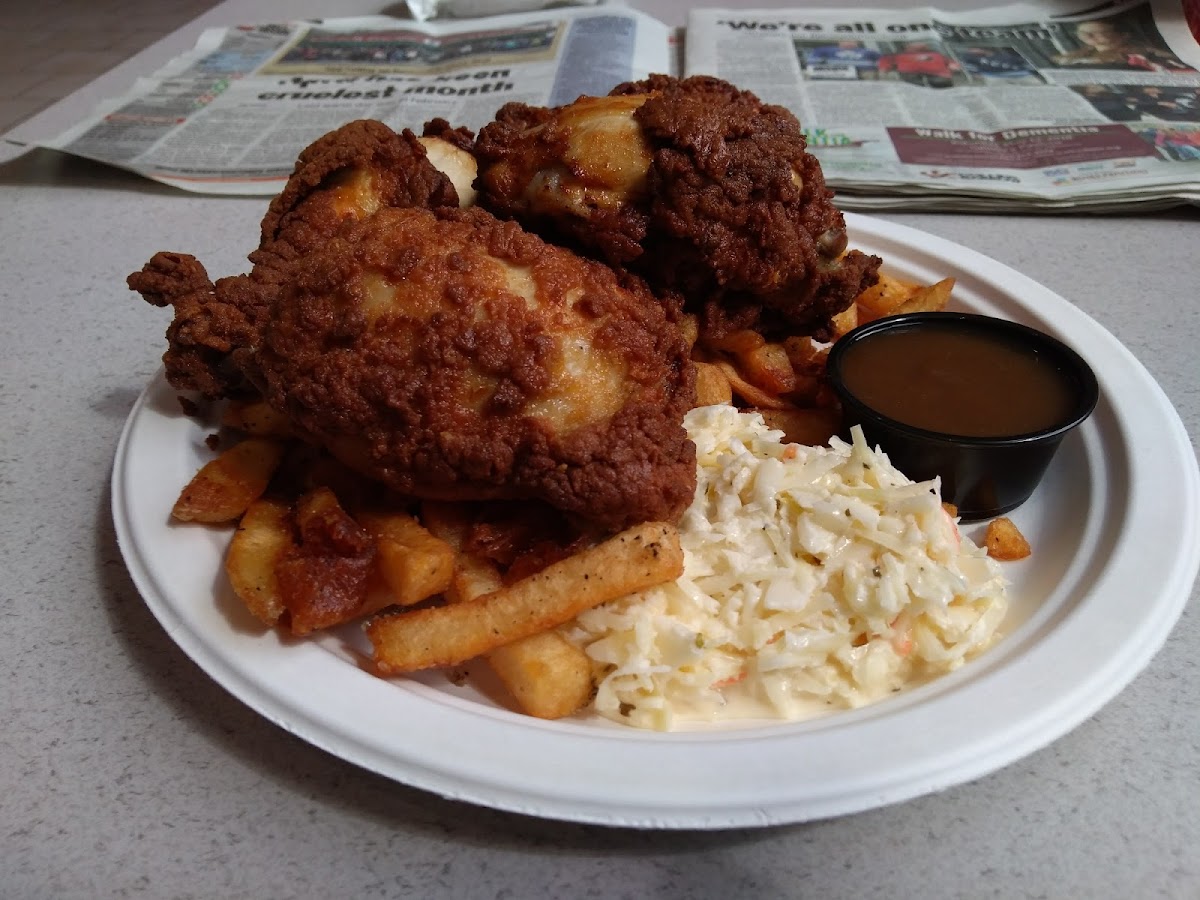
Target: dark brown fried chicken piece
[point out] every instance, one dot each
(347, 174)
(453, 356)
(694, 185)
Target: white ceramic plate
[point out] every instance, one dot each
(1114, 527)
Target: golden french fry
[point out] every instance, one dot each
(738, 341)
(547, 676)
(636, 559)
(928, 299)
(712, 387)
(256, 418)
(844, 322)
(751, 394)
(806, 355)
(882, 298)
(803, 426)
(1004, 540)
(263, 535)
(768, 367)
(414, 564)
(224, 487)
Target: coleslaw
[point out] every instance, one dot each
(815, 578)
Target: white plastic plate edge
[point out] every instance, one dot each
(1136, 550)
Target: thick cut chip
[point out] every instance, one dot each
(262, 538)
(768, 367)
(750, 393)
(225, 487)
(547, 675)
(414, 564)
(712, 387)
(928, 299)
(883, 297)
(844, 322)
(326, 580)
(637, 558)
(1004, 540)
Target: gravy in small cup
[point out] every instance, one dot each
(981, 402)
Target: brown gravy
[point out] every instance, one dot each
(955, 381)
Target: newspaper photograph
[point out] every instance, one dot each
(231, 116)
(1022, 106)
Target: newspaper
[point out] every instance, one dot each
(1019, 107)
(232, 115)
(1055, 106)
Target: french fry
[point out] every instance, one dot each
(750, 393)
(225, 487)
(263, 536)
(414, 564)
(738, 341)
(882, 298)
(803, 426)
(327, 580)
(928, 299)
(636, 559)
(844, 322)
(806, 355)
(1004, 540)
(712, 387)
(768, 367)
(547, 676)
(256, 418)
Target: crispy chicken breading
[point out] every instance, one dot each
(693, 184)
(453, 356)
(349, 173)
(440, 351)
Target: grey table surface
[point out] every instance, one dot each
(126, 771)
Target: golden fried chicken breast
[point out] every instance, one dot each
(693, 184)
(450, 355)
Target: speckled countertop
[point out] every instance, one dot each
(126, 771)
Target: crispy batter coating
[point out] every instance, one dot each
(349, 173)
(453, 356)
(693, 184)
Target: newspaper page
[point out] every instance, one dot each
(1048, 106)
(232, 116)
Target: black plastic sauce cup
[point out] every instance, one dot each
(982, 476)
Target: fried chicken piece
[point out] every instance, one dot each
(347, 174)
(453, 356)
(693, 184)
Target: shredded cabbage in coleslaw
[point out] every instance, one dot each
(815, 578)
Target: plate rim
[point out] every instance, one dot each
(421, 760)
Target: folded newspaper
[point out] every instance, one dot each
(1053, 106)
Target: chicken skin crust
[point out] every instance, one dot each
(450, 355)
(346, 174)
(695, 185)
